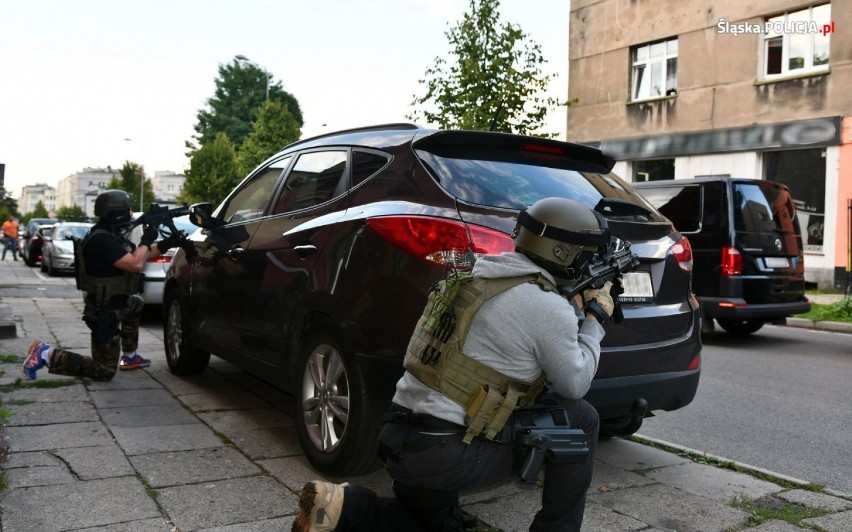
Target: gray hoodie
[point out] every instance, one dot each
(520, 333)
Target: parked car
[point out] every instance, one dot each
(31, 241)
(313, 272)
(58, 246)
(747, 249)
(154, 270)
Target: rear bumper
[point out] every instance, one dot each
(612, 398)
(719, 308)
(152, 290)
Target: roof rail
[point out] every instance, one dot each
(378, 127)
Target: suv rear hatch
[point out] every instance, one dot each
(766, 233)
(493, 176)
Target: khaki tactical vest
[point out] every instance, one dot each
(435, 357)
(103, 288)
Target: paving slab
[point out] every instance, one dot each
(132, 397)
(49, 413)
(837, 522)
(634, 456)
(58, 436)
(191, 467)
(144, 440)
(92, 503)
(145, 525)
(236, 420)
(815, 500)
(270, 442)
(714, 483)
(267, 525)
(147, 416)
(103, 461)
(207, 402)
(227, 502)
(75, 392)
(24, 477)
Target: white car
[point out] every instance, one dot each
(154, 271)
(57, 250)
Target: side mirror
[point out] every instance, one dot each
(201, 214)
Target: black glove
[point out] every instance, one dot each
(172, 241)
(149, 234)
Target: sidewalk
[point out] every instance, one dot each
(150, 451)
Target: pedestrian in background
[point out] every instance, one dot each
(10, 237)
(108, 272)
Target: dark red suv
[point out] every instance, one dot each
(311, 275)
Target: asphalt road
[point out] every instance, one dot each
(780, 399)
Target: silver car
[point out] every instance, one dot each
(58, 246)
(154, 271)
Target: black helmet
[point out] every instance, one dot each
(561, 235)
(114, 206)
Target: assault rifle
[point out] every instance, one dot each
(160, 215)
(607, 266)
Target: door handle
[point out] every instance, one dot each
(235, 253)
(305, 251)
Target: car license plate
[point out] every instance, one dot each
(637, 288)
(776, 262)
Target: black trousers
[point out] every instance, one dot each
(431, 470)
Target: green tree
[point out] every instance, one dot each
(492, 79)
(8, 205)
(213, 172)
(128, 180)
(39, 211)
(274, 128)
(72, 212)
(240, 91)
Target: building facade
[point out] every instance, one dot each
(167, 186)
(675, 89)
(32, 194)
(83, 187)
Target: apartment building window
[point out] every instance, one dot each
(653, 170)
(797, 42)
(654, 70)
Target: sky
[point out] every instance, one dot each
(95, 83)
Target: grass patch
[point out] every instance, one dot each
(770, 508)
(840, 311)
(21, 384)
(7, 359)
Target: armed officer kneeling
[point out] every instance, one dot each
(495, 374)
(108, 269)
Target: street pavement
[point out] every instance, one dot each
(150, 451)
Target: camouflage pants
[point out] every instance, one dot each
(115, 328)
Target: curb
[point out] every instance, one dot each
(833, 326)
(747, 469)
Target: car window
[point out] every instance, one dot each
(74, 232)
(502, 179)
(251, 199)
(313, 180)
(760, 208)
(366, 164)
(680, 204)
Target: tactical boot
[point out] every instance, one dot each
(320, 505)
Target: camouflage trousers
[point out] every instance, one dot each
(115, 328)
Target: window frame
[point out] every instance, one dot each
(648, 62)
(783, 20)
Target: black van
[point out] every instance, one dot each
(746, 246)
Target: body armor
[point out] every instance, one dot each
(435, 353)
(103, 288)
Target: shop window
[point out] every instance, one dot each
(803, 171)
(653, 170)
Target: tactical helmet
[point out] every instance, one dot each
(560, 234)
(114, 206)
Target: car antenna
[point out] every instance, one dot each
(496, 115)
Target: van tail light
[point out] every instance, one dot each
(732, 261)
(440, 241)
(682, 251)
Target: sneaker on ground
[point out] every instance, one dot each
(34, 360)
(320, 505)
(133, 361)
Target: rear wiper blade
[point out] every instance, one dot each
(619, 207)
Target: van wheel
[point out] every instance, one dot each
(183, 357)
(332, 407)
(740, 327)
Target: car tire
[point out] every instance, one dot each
(182, 356)
(332, 407)
(740, 327)
(30, 260)
(44, 264)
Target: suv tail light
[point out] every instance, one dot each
(439, 240)
(165, 258)
(682, 251)
(732, 261)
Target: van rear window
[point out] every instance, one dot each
(680, 204)
(762, 207)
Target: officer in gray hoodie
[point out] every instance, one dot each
(516, 334)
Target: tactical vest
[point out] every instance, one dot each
(435, 353)
(103, 288)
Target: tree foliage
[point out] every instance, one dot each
(213, 172)
(39, 211)
(72, 212)
(491, 80)
(274, 128)
(240, 92)
(128, 180)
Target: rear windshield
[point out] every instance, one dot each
(680, 204)
(517, 184)
(762, 208)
